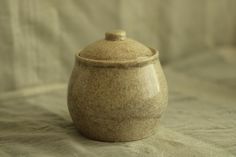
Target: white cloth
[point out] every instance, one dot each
(199, 121)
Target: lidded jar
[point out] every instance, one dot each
(117, 90)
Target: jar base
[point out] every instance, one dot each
(131, 130)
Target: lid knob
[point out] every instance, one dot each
(115, 35)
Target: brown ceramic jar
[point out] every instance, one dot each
(117, 90)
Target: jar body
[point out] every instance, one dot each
(117, 103)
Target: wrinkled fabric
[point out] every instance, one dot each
(39, 38)
(199, 120)
(196, 40)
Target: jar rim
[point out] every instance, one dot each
(139, 62)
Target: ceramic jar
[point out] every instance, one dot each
(117, 90)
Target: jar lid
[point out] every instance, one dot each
(116, 47)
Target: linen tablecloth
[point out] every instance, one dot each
(200, 119)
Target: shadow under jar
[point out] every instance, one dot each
(117, 90)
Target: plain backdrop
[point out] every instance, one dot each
(38, 38)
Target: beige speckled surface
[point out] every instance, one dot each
(117, 103)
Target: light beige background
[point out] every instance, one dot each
(39, 37)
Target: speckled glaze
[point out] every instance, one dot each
(117, 97)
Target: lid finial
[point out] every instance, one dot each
(115, 35)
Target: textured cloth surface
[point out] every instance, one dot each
(199, 121)
(196, 40)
